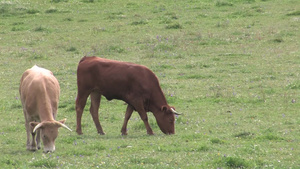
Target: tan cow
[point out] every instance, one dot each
(39, 91)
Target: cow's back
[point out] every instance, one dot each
(115, 79)
(39, 91)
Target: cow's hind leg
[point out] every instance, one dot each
(94, 110)
(128, 114)
(80, 104)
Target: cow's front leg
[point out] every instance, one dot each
(144, 117)
(94, 110)
(128, 114)
(30, 143)
(32, 146)
(38, 139)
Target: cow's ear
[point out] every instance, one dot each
(63, 121)
(164, 108)
(33, 124)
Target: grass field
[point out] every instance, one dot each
(230, 66)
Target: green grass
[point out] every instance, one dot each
(230, 66)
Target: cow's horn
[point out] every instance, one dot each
(173, 111)
(37, 127)
(65, 126)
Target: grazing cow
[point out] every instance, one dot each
(135, 84)
(39, 91)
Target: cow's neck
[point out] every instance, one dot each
(46, 117)
(46, 114)
(157, 102)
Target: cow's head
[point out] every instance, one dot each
(49, 132)
(166, 119)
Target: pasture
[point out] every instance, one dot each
(230, 66)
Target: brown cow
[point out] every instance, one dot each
(135, 84)
(39, 91)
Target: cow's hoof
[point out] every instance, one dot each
(31, 148)
(101, 133)
(79, 132)
(124, 134)
(150, 133)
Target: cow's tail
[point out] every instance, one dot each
(82, 59)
